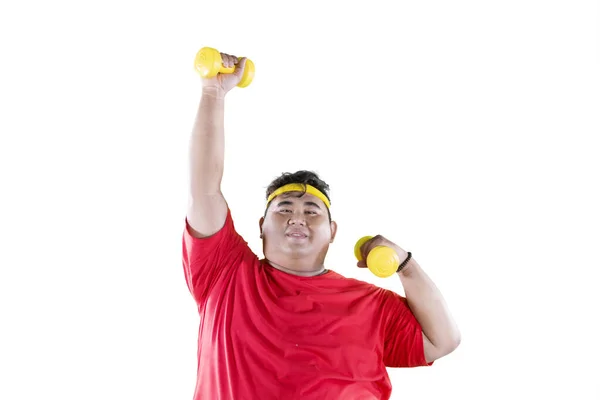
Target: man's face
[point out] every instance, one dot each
(297, 227)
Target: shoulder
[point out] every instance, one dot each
(225, 243)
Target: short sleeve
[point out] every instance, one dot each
(403, 336)
(207, 260)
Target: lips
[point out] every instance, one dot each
(296, 234)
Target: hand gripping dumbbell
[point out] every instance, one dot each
(208, 63)
(382, 261)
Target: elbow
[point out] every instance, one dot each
(456, 342)
(447, 348)
(453, 342)
(444, 346)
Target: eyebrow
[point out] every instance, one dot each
(289, 203)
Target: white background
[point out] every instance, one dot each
(464, 131)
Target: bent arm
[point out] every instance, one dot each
(441, 335)
(207, 208)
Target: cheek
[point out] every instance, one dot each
(274, 224)
(322, 229)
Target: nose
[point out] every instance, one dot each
(297, 220)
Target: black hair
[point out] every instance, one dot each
(302, 177)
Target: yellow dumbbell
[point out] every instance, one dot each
(208, 63)
(382, 261)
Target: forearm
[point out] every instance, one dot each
(207, 145)
(429, 308)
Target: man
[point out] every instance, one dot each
(284, 327)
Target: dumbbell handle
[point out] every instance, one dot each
(227, 70)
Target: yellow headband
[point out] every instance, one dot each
(299, 187)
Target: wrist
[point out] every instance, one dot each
(407, 267)
(213, 92)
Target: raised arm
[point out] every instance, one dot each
(207, 208)
(440, 332)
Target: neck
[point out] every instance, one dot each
(298, 271)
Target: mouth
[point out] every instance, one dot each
(296, 235)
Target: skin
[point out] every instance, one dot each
(288, 213)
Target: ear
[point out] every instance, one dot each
(333, 226)
(260, 224)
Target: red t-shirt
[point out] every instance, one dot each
(265, 334)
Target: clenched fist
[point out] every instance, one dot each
(375, 241)
(223, 83)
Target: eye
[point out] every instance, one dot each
(285, 210)
(312, 212)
